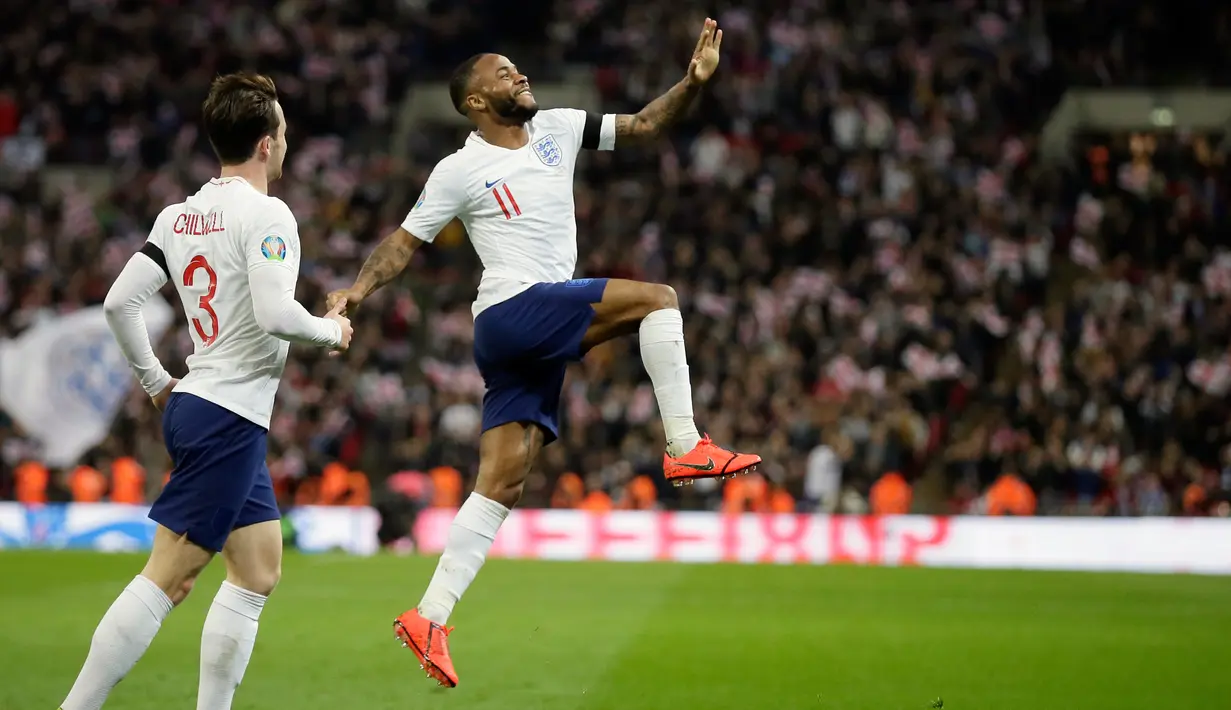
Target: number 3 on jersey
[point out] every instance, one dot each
(199, 263)
(512, 203)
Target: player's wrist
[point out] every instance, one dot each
(156, 382)
(335, 332)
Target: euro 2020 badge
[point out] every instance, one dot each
(273, 248)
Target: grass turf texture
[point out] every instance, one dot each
(596, 636)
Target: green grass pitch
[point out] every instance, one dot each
(599, 636)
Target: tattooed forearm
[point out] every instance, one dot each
(658, 114)
(387, 261)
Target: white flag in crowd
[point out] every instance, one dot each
(64, 379)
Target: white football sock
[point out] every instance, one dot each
(662, 352)
(121, 638)
(470, 537)
(226, 644)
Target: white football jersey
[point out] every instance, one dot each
(517, 205)
(210, 241)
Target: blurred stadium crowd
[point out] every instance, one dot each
(887, 293)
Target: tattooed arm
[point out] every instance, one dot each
(383, 265)
(649, 122)
(387, 261)
(440, 202)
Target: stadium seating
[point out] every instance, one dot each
(880, 273)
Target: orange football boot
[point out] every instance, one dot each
(430, 642)
(707, 460)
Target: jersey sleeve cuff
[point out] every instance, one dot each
(155, 381)
(334, 329)
(417, 231)
(607, 132)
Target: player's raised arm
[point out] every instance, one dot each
(440, 201)
(273, 270)
(649, 122)
(143, 275)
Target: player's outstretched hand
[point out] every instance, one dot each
(705, 56)
(160, 399)
(335, 314)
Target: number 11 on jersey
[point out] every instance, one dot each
(511, 203)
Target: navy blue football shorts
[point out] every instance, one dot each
(522, 347)
(220, 481)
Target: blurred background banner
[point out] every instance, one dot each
(125, 528)
(63, 379)
(1150, 545)
(1075, 544)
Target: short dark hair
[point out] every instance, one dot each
(239, 111)
(459, 83)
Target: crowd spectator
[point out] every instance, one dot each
(888, 294)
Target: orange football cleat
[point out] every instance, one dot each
(430, 642)
(707, 460)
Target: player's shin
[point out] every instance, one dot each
(470, 537)
(120, 640)
(227, 640)
(662, 352)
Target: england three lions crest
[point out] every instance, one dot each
(548, 151)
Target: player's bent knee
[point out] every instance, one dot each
(253, 556)
(256, 578)
(663, 297)
(652, 298)
(261, 582)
